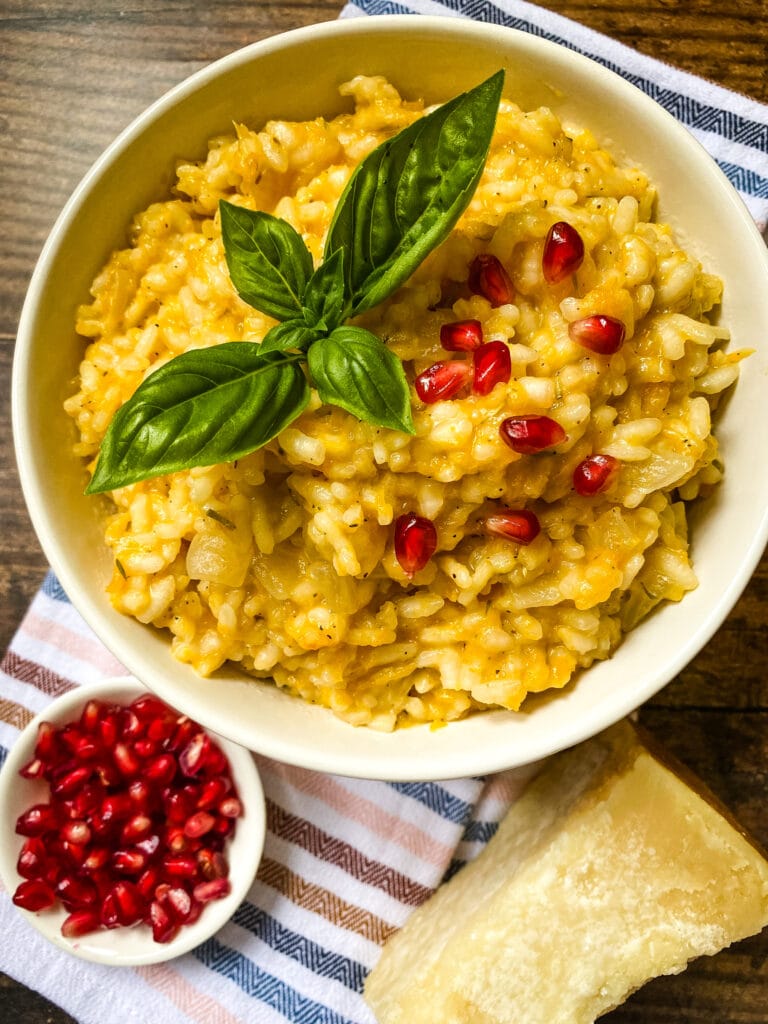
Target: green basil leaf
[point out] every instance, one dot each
(353, 369)
(267, 259)
(203, 407)
(406, 196)
(290, 334)
(325, 293)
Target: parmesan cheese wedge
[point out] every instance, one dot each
(611, 869)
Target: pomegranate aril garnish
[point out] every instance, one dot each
(76, 831)
(461, 335)
(135, 792)
(76, 892)
(80, 922)
(213, 790)
(136, 828)
(33, 769)
(70, 782)
(595, 474)
(492, 366)
(563, 252)
(230, 807)
(126, 760)
(442, 381)
(37, 820)
(518, 525)
(215, 889)
(164, 928)
(488, 277)
(192, 758)
(47, 745)
(530, 434)
(599, 333)
(199, 824)
(415, 542)
(34, 894)
(33, 858)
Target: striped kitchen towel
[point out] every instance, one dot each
(345, 860)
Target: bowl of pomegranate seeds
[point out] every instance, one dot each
(131, 833)
(413, 427)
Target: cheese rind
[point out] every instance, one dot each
(608, 871)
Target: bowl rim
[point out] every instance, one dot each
(248, 841)
(379, 762)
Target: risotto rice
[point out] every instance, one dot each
(283, 561)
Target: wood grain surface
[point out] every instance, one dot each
(74, 73)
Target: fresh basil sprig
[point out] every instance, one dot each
(217, 404)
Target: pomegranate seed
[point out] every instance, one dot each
(87, 748)
(128, 902)
(76, 892)
(136, 828)
(184, 731)
(530, 434)
(599, 333)
(179, 902)
(80, 922)
(215, 889)
(33, 769)
(161, 729)
(214, 760)
(33, 858)
(125, 759)
(563, 252)
(109, 729)
(415, 542)
(37, 820)
(148, 882)
(192, 757)
(141, 794)
(96, 858)
(223, 826)
(595, 474)
(129, 862)
(212, 863)
(212, 792)
(200, 823)
(179, 865)
(176, 839)
(34, 894)
(146, 748)
(442, 381)
(129, 724)
(47, 744)
(161, 770)
(461, 336)
(518, 525)
(487, 277)
(76, 831)
(150, 845)
(91, 716)
(109, 913)
(116, 807)
(108, 774)
(71, 782)
(148, 708)
(230, 807)
(164, 928)
(70, 853)
(179, 805)
(493, 366)
(88, 799)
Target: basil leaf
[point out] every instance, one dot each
(203, 407)
(406, 196)
(290, 334)
(351, 368)
(267, 259)
(325, 294)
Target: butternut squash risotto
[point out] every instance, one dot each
(285, 562)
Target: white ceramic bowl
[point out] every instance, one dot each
(435, 58)
(128, 946)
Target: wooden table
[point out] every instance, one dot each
(74, 73)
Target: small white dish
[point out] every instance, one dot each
(134, 945)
